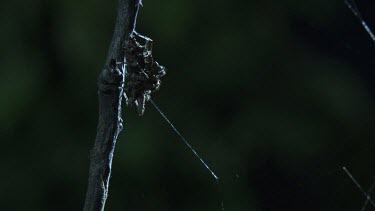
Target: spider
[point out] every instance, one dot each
(143, 73)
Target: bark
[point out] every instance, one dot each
(110, 91)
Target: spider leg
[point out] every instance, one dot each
(126, 99)
(140, 104)
(148, 41)
(142, 36)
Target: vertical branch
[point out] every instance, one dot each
(110, 90)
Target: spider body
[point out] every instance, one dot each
(143, 73)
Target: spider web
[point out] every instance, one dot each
(352, 5)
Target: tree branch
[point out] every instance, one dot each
(110, 91)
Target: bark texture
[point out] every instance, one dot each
(110, 91)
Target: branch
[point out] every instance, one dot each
(110, 91)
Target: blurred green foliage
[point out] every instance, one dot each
(275, 95)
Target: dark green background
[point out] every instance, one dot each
(276, 96)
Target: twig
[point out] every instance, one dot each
(110, 91)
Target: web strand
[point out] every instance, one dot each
(183, 139)
(368, 198)
(368, 192)
(354, 8)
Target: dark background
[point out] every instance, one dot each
(276, 96)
